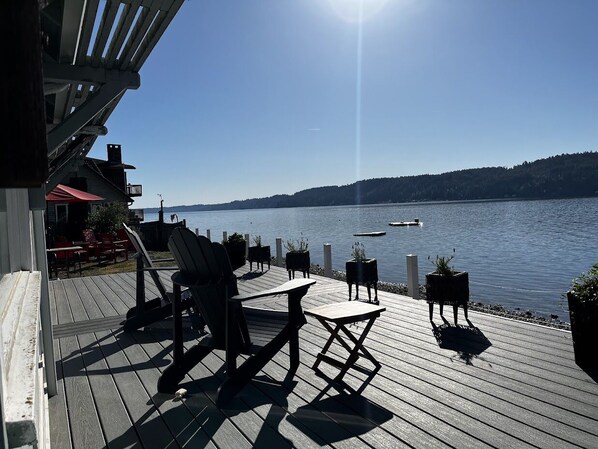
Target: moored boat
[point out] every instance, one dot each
(370, 234)
(415, 222)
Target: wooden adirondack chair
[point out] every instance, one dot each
(205, 269)
(146, 312)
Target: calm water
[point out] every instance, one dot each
(522, 254)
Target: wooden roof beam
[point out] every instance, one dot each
(67, 74)
(94, 104)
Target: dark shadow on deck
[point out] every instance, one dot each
(352, 413)
(468, 341)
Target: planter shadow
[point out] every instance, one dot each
(467, 341)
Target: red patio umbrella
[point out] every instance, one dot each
(65, 194)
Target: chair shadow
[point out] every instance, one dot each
(340, 417)
(250, 275)
(82, 361)
(195, 418)
(467, 341)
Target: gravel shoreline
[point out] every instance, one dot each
(493, 309)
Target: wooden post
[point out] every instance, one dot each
(328, 260)
(278, 252)
(37, 202)
(208, 234)
(196, 231)
(224, 236)
(412, 276)
(246, 245)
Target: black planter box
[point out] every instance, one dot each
(236, 254)
(298, 261)
(364, 273)
(259, 255)
(584, 330)
(453, 289)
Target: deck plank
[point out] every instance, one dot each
(60, 435)
(510, 384)
(84, 422)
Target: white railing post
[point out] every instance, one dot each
(208, 234)
(246, 245)
(278, 252)
(328, 260)
(412, 276)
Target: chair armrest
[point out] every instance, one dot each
(163, 260)
(160, 268)
(288, 287)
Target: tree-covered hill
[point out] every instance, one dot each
(564, 176)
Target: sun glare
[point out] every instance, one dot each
(357, 10)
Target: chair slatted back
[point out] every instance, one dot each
(207, 265)
(147, 261)
(89, 236)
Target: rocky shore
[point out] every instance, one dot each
(494, 309)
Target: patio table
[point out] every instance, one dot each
(68, 250)
(336, 318)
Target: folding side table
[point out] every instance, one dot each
(340, 315)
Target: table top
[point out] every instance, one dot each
(348, 311)
(66, 248)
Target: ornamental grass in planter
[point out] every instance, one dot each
(297, 257)
(446, 286)
(235, 247)
(583, 312)
(258, 253)
(361, 270)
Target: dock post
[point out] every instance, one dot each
(224, 236)
(208, 234)
(412, 276)
(196, 231)
(328, 260)
(278, 252)
(246, 245)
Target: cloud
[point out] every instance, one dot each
(313, 129)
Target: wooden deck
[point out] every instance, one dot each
(501, 383)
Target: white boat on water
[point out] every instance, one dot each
(415, 222)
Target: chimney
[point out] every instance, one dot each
(114, 154)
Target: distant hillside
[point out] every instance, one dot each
(564, 176)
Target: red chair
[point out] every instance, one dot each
(122, 235)
(90, 242)
(111, 249)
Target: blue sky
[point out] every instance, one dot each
(244, 99)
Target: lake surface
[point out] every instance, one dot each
(521, 254)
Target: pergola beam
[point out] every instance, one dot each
(94, 104)
(72, 74)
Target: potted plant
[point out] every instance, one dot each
(297, 257)
(447, 286)
(583, 312)
(235, 247)
(258, 253)
(361, 270)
